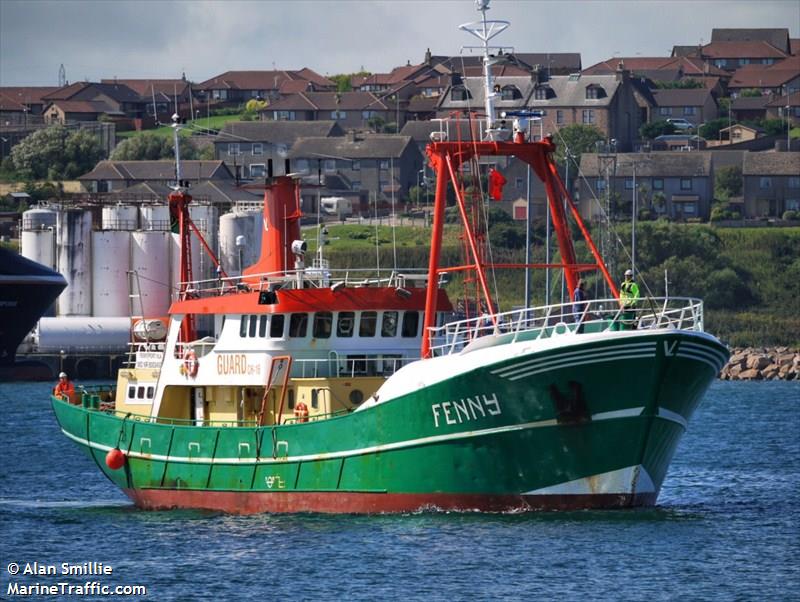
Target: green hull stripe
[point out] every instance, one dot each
(617, 414)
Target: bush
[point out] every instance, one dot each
(508, 236)
(790, 215)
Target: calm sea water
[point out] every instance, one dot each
(727, 527)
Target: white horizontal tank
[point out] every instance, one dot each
(150, 258)
(83, 333)
(120, 217)
(74, 261)
(111, 260)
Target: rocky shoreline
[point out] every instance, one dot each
(758, 363)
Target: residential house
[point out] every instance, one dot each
(166, 95)
(351, 110)
(678, 142)
(771, 183)
(666, 70)
(735, 134)
(236, 87)
(777, 37)
(360, 166)
(224, 193)
(553, 63)
(117, 99)
(749, 108)
(781, 78)
(19, 103)
(606, 102)
(673, 184)
(696, 105)
(785, 107)
(111, 176)
(248, 147)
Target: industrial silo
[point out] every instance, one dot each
(120, 217)
(111, 260)
(239, 240)
(155, 217)
(38, 239)
(206, 218)
(74, 261)
(150, 262)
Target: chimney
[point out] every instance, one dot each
(622, 73)
(428, 57)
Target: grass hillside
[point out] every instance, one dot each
(748, 277)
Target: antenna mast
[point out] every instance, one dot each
(485, 30)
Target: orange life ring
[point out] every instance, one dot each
(301, 412)
(190, 363)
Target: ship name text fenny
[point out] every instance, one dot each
(465, 410)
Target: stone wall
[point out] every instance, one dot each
(758, 363)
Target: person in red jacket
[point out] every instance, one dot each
(64, 388)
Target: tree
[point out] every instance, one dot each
(681, 84)
(728, 182)
(654, 129)
(151, 147)
(56, 153)
(578, 138)
(710, 130)
(750, 93)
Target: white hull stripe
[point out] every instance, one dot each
(673, 416)
(571, 363)
(700, 358)
(715, 356)
(632, 479)
(576, 355)
(361, 451)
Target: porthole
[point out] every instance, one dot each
(356, 396)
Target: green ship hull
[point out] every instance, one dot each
(590, 424)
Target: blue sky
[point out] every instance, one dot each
(103, 39)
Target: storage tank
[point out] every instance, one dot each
(155, 217)
(39, 217)
(83, 333)
(40, 245)
(150, 260)
(232, 226)
(111, 260)
(120, 217)
(174, 261)
(206, 218)
(74, 261)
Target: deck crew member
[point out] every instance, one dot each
(628, 298)
(64, 388)
(579, 304)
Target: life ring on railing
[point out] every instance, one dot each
(301, 412)
(190, 363)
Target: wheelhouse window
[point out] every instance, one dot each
(389, 324)
(322, 324)
(366, 327)
(276, 326)
(253, 325)
(344, 326)
(262, 326)
(410, 324)
(243, 327)
(298, 324)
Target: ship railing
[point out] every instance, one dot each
(378, 365)
(600, 315)
(314, 277)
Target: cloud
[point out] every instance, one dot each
(161, 39)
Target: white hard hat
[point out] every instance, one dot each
(62, 375)
(629, 272)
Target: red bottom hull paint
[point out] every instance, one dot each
(373, 503)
